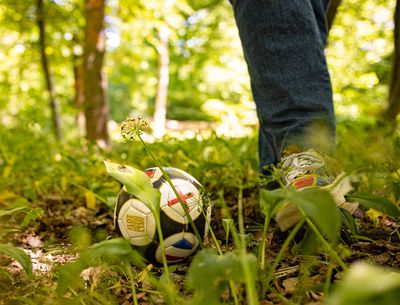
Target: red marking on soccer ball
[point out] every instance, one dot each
(183, 197)
(150, 173)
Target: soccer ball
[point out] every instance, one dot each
(136, 223)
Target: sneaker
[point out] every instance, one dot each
(311, 169)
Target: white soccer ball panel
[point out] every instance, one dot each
(139, 206)
(190, 196)
(140, 240)
(136, 223)
(178, 247)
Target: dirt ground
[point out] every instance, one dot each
(47, 242)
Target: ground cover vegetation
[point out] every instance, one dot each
(57, 241)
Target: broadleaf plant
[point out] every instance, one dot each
(113, 251)
(319, 205)
(210, 273)
(136, 182)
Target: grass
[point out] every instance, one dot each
(48, 191)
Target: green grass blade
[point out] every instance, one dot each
(19, 255)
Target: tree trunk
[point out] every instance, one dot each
(331, 12)
(54, 107)
(94, 78)
(79, 97)
(160, 111)
(394, 91)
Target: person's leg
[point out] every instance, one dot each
(283, 43)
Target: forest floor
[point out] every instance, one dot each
(48, 244)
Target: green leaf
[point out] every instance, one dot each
(31, 215)
(367, 285)
(116, 247)
(348, 221)
(19, 255)
(309, 244)
(69, 275)
(113, 251)
(11, 211)
(269, 200)
(377, 203)
(227, 223)
(210, 273)
(136, 183)
(319, 205)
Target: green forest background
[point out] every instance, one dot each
(208, 79)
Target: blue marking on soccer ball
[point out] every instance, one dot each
(183, 244)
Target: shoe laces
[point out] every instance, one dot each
(301, 163)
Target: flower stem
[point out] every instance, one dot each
(225, 213)
(196, 232)
(251, 293)
(263, 241)
(161, 239)
(214, 238)
(131, 279)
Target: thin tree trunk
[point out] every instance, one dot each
(331, 12)
(94, 78)
(394, 91)
(79, 97)
(160, 111)
(54, 107)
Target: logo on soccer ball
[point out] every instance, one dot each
(136, 222)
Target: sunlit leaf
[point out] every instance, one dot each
(6, 196)
(136, 183)
(63, 183)
(90, 199)
(7, 171)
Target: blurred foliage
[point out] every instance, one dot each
(359, 56)
(366, 285)
(207, 68)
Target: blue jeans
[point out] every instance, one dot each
(283, 43)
